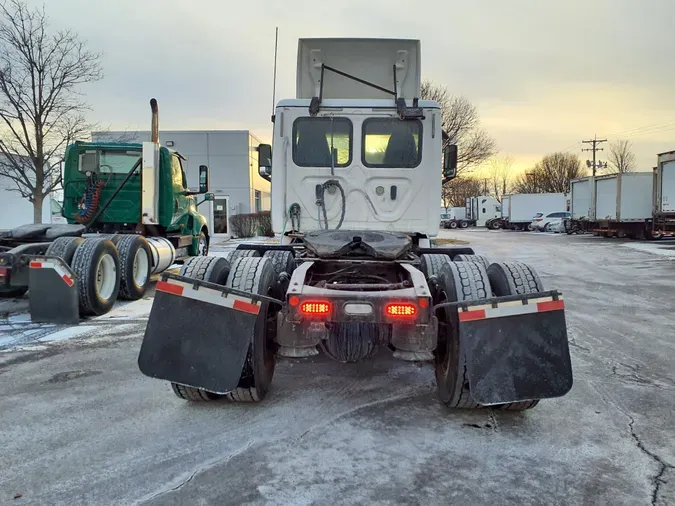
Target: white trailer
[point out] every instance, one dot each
(664, 195)
(505, 206)
(523, 207)
(581, 202)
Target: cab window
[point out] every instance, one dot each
(177, 174)
(392, 143)
(314, 138)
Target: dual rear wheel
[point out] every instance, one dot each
(469, 277)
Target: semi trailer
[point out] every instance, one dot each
(356, 168)
(130, 215)
(637, 205)
(519, 209)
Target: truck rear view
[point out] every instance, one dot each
(356, 170)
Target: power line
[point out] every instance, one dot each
(595, 141)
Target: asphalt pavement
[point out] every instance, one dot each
(80, 424)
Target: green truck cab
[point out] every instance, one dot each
(100, 173)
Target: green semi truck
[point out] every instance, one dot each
(130, 215)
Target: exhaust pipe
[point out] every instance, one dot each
(155, 121)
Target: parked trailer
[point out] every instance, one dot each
(522, 207)
(664, 196)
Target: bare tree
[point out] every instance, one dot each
(552, 174)
(460, 120)
(41, 109)
(457, 191)
(621, 157)
(446, 196)
(500, 172)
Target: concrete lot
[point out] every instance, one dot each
(81, 425)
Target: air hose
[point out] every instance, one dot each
(89, 203)
(321, 203)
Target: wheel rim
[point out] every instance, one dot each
(141, 267)
(106, 274)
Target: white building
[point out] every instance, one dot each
(232, 158)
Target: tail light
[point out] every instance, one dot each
(538, 219)
(316, 307)
(401, 310)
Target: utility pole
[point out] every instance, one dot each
(485, 186)
(595, 141)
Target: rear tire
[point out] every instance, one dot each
(212, 270)
(514, 278)
(241, 253)
(547, 227)
(430, 265)
(461, 281)
(463, 224)
(453, 224)
(283, 262)
(97, 265)
(254, 274)
(205, 268)
(479, 259)
(64, 248)
(135, 266)
(193, 394)
(495, 225)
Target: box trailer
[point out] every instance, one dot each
(523, 206)
(664, 195)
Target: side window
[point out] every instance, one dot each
(391, 143)
(313, 139)
(177, 174)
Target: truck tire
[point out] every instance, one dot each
(255, 274)
(210, 269)
(96, 263)
(463, 224)
(193, 394)
(461, 281)
(241, 253)
(430, 265)
(202, 244)
(496, 225)
(135, 266)
(514, 278)
(64, 248)
(453, 224)
(282, 261)
(480, 259)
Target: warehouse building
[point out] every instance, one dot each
(232, 158)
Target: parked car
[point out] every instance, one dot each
(550, 222)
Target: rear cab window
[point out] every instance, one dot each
(391, 143)
(314, 137)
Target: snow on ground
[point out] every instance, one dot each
(666, 250)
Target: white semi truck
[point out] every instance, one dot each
(356, 177)
(481, 209)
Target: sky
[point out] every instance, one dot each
(544, 75)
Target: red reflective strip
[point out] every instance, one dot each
(467, 316)
(551, 305)
(68, 280)
(36, 265)
(163, 286)
(247, 307)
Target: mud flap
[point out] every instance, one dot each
(516, 350)
(53, 292)
(198, 334)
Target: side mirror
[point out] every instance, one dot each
(203, 179)
(450, 162)
(209, 196)
(265, 161)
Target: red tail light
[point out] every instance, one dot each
(539, 219)
(401, 310)
(315, 307)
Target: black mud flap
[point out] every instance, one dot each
(516, 350)
(198, 334)
(53, 291)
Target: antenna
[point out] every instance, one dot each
(274, 85)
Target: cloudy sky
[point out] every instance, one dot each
(543, 74)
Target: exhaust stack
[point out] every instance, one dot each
(154, 129)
